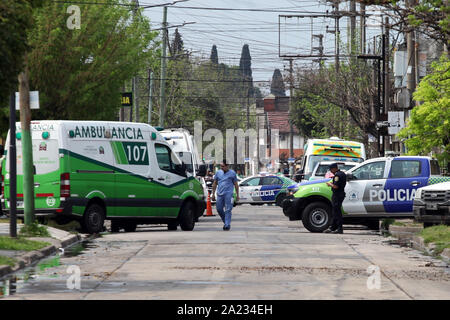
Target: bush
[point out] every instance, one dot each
(34, 230)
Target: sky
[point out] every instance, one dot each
(255, 23)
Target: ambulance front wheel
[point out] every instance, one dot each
(316, 217)
(187, 216)
(93, 218)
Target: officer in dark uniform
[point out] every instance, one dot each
(337, 186)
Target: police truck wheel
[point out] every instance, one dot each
(187, 217)
(373, 224)
(93, 219)
(280, 199)
(316, 217)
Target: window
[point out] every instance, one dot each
(370, 171)
(165, 157)
(271, 181)
(405, 168)
(435, 170)
(251, 182)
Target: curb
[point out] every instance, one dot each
(31, 257)
(417, 242)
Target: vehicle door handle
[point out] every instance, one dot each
(150, 179)
(415, 183)
(377, 185)
(37, 185)
(161, 179)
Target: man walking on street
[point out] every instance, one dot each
(226, 180)
(337, 186)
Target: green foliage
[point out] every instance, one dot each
(15, 21)
(428, 128)
(79, 73)
(214, 56)
(277, 87)
(34, 230)
(7, 261)
(438, 235)
(7, 243)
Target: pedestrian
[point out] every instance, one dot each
(225, 180)
(337, 186)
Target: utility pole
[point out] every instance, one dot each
(362, 22)
(337, 32)
(411, 56)
(291, 127)
(27, 147)
(135, 79)
(150, 97)
(12, 168)
(386, 85)
(162, 107)
(352, 27)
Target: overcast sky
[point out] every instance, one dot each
(229, 30)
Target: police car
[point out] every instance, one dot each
(377, 188)
(262, 189)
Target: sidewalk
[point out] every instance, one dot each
(59, 239)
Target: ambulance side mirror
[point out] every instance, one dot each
(201, 170)
(350, 176)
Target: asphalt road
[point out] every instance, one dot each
(264, 256)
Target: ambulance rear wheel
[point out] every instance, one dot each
(187, 217)
(93, 218)
(316, 217)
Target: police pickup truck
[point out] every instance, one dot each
(377, 188)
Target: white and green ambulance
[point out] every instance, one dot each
(95, 170)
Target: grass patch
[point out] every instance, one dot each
(7, 261)
(398, 223)
(34, 230)
(4, 220)
(8, 243)
(438, 235)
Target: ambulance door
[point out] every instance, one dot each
(133, 190)
(364, 193)
(169, 181)
(405, 177)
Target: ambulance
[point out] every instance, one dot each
(332, 149)
(95, 170)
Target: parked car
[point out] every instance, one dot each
(432, 204)
(377, 188)
(264, 189)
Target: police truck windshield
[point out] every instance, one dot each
(314, 160)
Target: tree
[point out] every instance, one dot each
(214, 57)
(177, 46)
(277, 87)
(79, 73)
(431, 17)
(428, 128)
(16, 19)
(245, 67)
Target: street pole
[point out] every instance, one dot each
(386, 84)
(150, 97)
(12, 168)
(363, 27)
(27, 147)
(162, 107)
(291, 127)
(136, 99)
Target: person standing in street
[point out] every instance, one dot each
(225, 180)
(337, 186)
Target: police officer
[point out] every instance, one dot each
(337, 186)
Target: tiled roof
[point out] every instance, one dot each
(280, 120)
